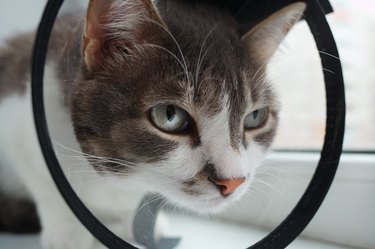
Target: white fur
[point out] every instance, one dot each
(186, 162)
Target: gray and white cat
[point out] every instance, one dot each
(161, 96)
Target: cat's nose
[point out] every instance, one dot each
(228, 186)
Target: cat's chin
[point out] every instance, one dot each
(213, 206)
(207, 206)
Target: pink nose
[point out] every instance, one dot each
(228, 186)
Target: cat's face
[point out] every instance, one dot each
(178, 100)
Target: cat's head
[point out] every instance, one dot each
(176, 98)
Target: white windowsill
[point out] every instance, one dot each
(195, 233)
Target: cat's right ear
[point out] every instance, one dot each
(115, 31)
(264, 39)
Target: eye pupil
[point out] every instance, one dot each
(171, 112)
(256, 119)
(169, 118)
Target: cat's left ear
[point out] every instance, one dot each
(264, 39)
(115, 31)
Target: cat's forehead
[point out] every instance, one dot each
(206, 88)
(206, 43)
(209, 81)
(198, 62)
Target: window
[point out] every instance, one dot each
(297, 74)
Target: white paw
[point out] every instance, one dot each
(66, 235)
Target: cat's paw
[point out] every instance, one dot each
(67, 235)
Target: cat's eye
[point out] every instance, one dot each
(170, 118)
(256, 119)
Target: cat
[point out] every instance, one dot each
(153, 96)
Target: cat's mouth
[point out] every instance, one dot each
(203, 194)
(211, 199)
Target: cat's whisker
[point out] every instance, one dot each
(329, 71)
(274, 62)
(328, 54)
(274, 171)
(91, 179)
(120, 162)
(200, 57)
(168, 51)
(258, 190)
(96, 178)
(89, 167)
(96, 174)
(281, 57)
(123, 163)
(270, 178)
(288, 73)
(259, 70)
(96, 159)
(100, 165)
(86, 161)
(155, 198)
(278, 168)
(160, 206)
(100, 180)
(259, 80)
(119, 176)
(270, 186)
(268, 173)
(177, 44)
(149, 201)
(251, 197)
(257, 201)
(89, 155)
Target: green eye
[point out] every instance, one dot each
(256, 119)
(170, 118)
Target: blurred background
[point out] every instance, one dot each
(296, 72)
